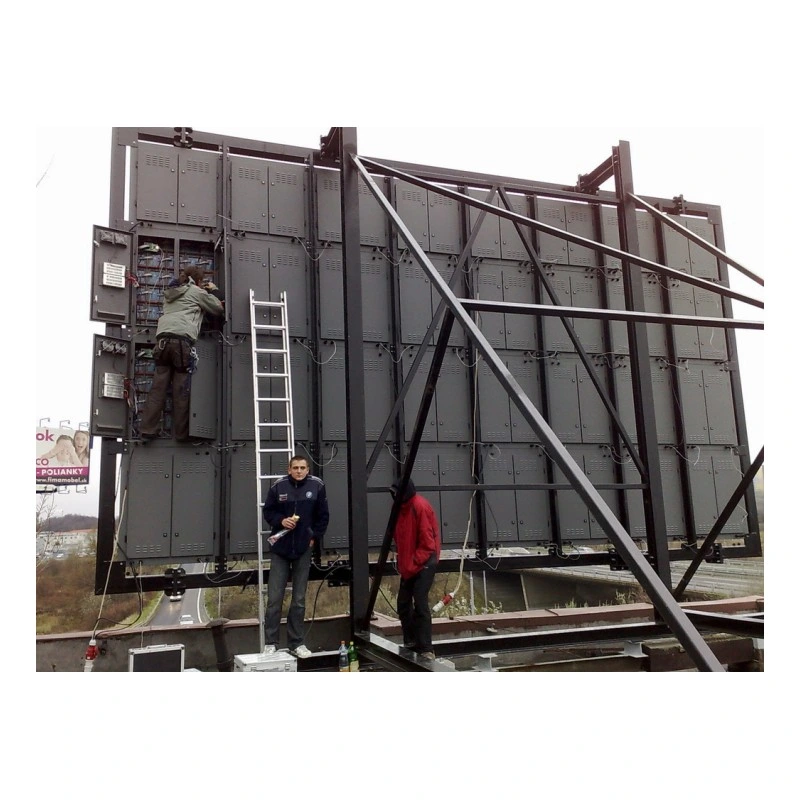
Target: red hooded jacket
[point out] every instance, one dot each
(416, 534)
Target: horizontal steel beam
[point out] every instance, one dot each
(392, 656)
(499, 487)
(511, 642)
(746, 625)
(502, 307)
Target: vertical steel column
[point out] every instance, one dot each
(110, 448)
(753, 537)
(397, 420)
(653, 494)
(678, 399)
(619, 440)
(106, 516)
(116, 200)
(355, 407)
(313, 304)
(476, 453)
(225, 361)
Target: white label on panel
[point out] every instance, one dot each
(114, 275)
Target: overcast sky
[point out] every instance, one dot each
(73, 188)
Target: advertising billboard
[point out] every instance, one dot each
(62, 456)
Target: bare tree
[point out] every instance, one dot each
(45, 539)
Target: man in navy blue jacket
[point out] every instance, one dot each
(297, 503)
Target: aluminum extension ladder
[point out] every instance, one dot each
(270, 339)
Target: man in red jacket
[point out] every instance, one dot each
(416, 536)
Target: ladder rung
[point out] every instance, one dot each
(273, 399)
(270, 303)
(268, 350)
(275, 450)
(272, 374)
(273, 424)
(269, 327)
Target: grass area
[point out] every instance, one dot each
(322, 600)
(66, 602)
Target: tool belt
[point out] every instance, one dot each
(162, 337)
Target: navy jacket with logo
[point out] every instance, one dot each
(306, 498)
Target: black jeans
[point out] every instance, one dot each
(414, 610)
(173, 361)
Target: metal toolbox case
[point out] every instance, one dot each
(156, 658)
(258, 662)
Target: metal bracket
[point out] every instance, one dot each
(680, 204)
(484, 662)
(715, 556)
(591, 182)
(183, 137)
(615, 562)
(176, 587)
(343, 577)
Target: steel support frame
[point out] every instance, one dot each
(662, 599)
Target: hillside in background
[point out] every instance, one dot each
(69, 522)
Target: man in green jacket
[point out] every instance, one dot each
(185, 303)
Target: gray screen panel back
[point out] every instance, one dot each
(287, 200)
(156, 183)
(249, 264)
(193, 503)
(249, 195)
(197, 188)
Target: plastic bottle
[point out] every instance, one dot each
(352, 657)
(275, 536)
(344, 659)
(282, 532)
